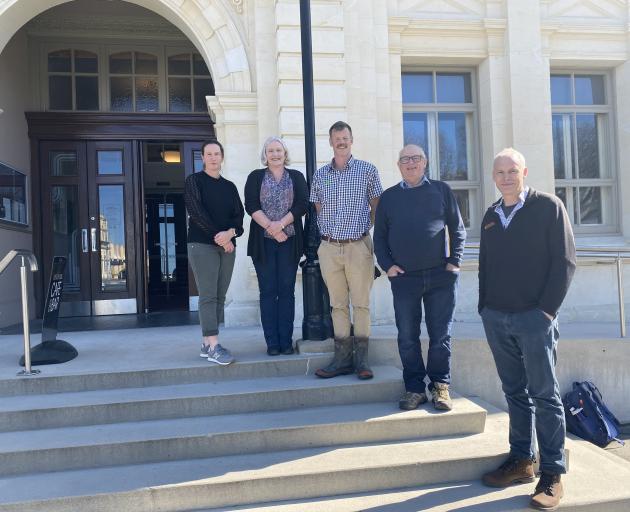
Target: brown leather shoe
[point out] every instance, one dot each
(512, 471)
(548, 492)
(361, 365)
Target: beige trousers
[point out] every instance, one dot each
(348, 271)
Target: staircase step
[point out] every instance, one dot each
(203, 437)
(253, 478)
(194, 400)
(199, 370)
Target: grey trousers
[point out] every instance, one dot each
(212, 267)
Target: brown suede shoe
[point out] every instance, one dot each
(512, 471)
(548, 492)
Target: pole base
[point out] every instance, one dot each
(24, 373)
(51, 352)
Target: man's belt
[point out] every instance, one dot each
(346, 241)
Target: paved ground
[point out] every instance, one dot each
(617, 449)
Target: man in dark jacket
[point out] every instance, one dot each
(526, 263)
(419, 241)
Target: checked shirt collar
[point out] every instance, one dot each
(505, 221)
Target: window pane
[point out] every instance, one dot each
(85, 62)
(12, 195)
(417, 88)
(120, 94)
(415, 129)
(561, 193)
(63, 163)
(453, 88)
(147, 95)
(87, 92)
(587, 146)
(112, 238)
(197, 161)
(66, 232)
(120, 63)
(589, 90)
(463, 201)
(561, 90)
(109, 162)
(146, 64)
(559, 156)
(179, 64)
(60, 92)
(203, 88)
(590, 205)
(59, 61)
(179, 95)
(453, 146)
(199, 66)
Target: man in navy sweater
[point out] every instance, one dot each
(422, 263)
(526, 263)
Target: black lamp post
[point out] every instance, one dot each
(317, 323)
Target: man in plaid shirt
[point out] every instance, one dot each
(345, 193)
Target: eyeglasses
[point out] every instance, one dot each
(406, 159)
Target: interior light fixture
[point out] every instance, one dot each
(171, 156)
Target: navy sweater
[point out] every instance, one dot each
(411, 224)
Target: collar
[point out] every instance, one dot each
(521, 197)
(349, 164)
(405, 185)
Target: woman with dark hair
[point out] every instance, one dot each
(215, 220)
(276, 198)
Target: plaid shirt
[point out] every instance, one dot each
(344, 196)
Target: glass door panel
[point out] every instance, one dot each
(112, 244)
(67, 237)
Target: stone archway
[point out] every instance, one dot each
(210, 28)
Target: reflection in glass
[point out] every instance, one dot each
(561, 90)
(60, 92)
(203, 87)
(179, 99)
(453, 146)
(147, 95)
(463, 201)
(168, 261)
(179, 64)
(453, 88)
(109, 162)
(417, 87)
(590, 205)
(85, 62)
(112, 238)
(587, 145)
(121, 94)
(59, 61)
(589, 90)
(558, 135)
(197, 161)
(12, 195)
(63, 163)
(87, 92)
(66, 234)
(146, 64)
(415, 130)
(199, 66)
(120, 63)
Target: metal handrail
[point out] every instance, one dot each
(25, 256)
(617, 254)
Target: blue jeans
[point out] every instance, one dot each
(276, 282)
(436, 288)
(524, 349)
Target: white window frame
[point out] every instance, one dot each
(473, 183)
(606, 146)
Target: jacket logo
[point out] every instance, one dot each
(489, 225)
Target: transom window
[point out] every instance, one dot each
(582, 149)
(119, 79)
(439, 115)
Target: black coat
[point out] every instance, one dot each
(298, 209)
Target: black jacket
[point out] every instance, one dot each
(298, 209)
(530, 264)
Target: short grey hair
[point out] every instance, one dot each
(511, 153)
(419, 148)
(263, 153)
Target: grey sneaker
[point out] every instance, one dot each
(441, 397)
(411, 400)
(204, 351)
(220, 355)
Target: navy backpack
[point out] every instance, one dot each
(588, 417)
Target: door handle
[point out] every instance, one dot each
(84, 240)
(93, 236)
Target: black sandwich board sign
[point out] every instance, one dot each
(51, 350)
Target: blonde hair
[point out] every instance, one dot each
(511, 153)
(263, 153)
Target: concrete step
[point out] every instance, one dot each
(188, 438)
(194, 400)
(199, 370)
(253, 478)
